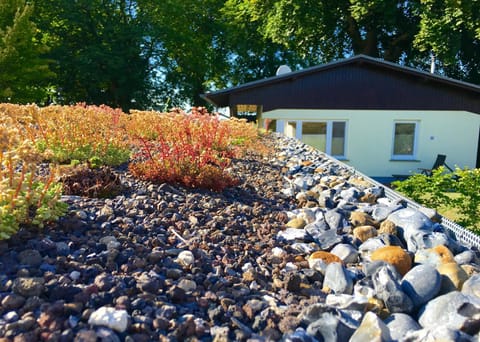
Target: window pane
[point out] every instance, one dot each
(315, 134)
(404, 139)
(338, 139)
(290, 129)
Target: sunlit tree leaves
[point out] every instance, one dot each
(24, 71)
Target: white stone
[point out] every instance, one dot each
(472, 286)
(305, 248)
(453, 310)
(347, 302)
(290, 266)
(384, 201)
(317, 265)
(82, 215)
(347, 253)
(110, 317)
(288, 192)
(399, 324)
(11, 316)
(187, 285)
(247, 266)
(371, 329)
(337, 279)
(278, 252)
(436, 334)
(186, 258)
(307, 215)
(219, 333)
(411, 223)
(74, 275)
(301, 183)
(363, 290)
(291, 234)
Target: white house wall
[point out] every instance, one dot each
(369, 137)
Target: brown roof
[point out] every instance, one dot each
(360, 82)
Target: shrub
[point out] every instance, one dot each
(434, 192)
(467, 184)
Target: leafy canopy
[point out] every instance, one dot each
(158, 54)
(24, 72)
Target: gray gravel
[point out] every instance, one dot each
(165, 263)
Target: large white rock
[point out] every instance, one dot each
(372, 329)
(399, 324)
(291, 234)
(346, 252)
(453, 310)
(110, 317)
(337, 279)
(472, 286)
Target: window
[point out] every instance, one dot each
(315, 134)
(327, 136)
(290, 129)
(405, 140)
(248, 112)
(338, 139)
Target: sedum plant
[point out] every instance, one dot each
(24, 197)
(82, 133)
(193, 149)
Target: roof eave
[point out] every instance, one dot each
(224, 93)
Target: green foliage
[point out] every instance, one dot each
(468, 203)
(161, 54)
(193, 149)
(100, 52)
(30, 203)
(327, 30)
(451, 31)
(251, 54)
(192, 52)
(25, 197)
(24, 72)
(434, 192)
(398, 31)
(101, 154)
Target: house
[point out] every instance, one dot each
(377, 116)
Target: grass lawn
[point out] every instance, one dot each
(452, 213)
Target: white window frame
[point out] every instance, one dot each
(329, 136)
(412, 156)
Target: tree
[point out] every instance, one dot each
(24, 72)
(204, 45)
(189, 47)
(252, 56)
(406, 32)
(450, 30)
(100, 52)
(327, 30)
